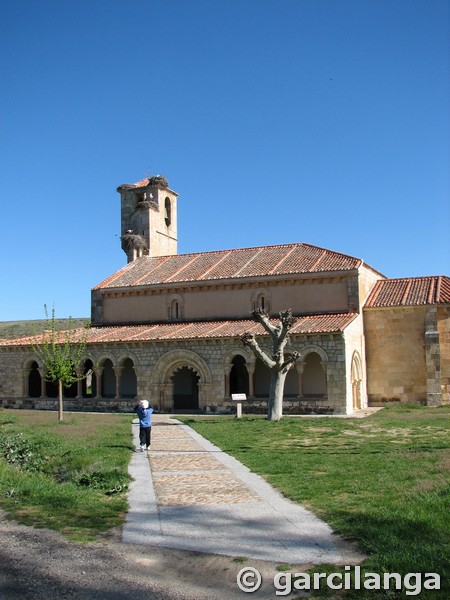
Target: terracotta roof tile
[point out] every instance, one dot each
(411, 291)
(227, 264)
(197, 330)
(141, 183)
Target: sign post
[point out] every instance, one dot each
(238, 398)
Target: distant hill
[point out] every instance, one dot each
(17, 329)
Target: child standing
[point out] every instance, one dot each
(144, 412)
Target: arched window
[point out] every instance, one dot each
(34, 381)
(239, 383)
(356, 377)
(108, 382)
(167, 211)
(261, 380)
(175, 307)
(88, 383)
(128, 383)
(314, 376)
(261, 300)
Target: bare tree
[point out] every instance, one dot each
(280, 363)
(60, 352)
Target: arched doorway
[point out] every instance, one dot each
(34, 381)
(239, 382)
(356, 377)
(185, 389)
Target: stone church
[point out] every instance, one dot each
(167, 327)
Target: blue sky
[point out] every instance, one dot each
(276, 121)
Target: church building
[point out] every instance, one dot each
(168, 327)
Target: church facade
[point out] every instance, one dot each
(168, 327)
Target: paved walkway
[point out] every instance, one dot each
(188, 494)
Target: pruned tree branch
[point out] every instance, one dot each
(248, 339)
(290, 360)
(287, 320)
(260, 316)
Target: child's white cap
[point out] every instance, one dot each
(144, 403)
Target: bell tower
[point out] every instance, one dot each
(149, 218)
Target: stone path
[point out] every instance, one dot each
(184, 473)
(188, 494)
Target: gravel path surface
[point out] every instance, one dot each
(38, 564)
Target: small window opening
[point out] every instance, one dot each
(168, 212)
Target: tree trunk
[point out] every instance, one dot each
(275, 409)
(60, 400)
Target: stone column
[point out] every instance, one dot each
(140, 392)
(300, 367)
(98, 381)
(25, 383)
(324, 366)
(79, 373)
(251, 381)
(227, 369)
(42, 374)
(118, 373)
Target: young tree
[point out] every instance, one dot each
(60, 353)
(280, 363)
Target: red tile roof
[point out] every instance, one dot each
(142, 183)
(410, 291)
(309, 324)
(230, 264)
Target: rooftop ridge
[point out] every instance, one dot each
(250, 262)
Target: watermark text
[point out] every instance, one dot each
(249, 580)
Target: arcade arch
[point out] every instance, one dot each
(182, 381)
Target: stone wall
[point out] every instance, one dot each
(226, 300)
(395, 353)
(443, 326)
(356, 392)
(155, 363)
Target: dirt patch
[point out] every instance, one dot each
(38, 564)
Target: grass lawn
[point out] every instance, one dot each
(70, 476)
(382, 481)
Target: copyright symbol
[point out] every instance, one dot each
(249, 579)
